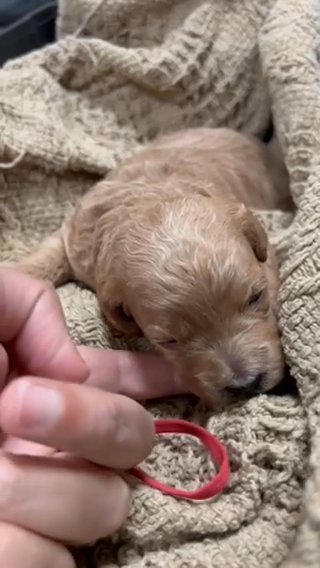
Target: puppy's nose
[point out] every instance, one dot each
(249, 387)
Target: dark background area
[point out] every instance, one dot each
(25, 25)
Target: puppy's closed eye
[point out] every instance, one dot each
(256, 299)
(170, 343)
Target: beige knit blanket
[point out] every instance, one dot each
(121, 72)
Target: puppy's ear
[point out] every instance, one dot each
(121, 320)
(116, 313)
(108, 284)
(254, 232)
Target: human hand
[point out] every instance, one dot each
(67, 428)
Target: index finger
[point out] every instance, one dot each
(140, 376)
(32, 321)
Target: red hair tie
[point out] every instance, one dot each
(216, 450)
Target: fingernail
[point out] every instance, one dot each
(39, 408)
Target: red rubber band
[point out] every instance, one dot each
(216, 450)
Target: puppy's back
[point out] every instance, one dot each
(211, 162)
(217, 160)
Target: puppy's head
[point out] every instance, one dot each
(195, 276)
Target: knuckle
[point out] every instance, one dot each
(119, 431)
(114, 421)
(120, 511)
(107, 510)
(12, 546)
(131, 430)
(19, 547)
(10, 482)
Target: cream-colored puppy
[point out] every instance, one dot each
(171, 247)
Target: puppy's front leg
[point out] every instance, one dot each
(49, 261)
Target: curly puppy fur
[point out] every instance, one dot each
(173, 250)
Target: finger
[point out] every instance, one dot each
(32, 320)
(19, 547)
(105, 428)
(4, 366)
(138, 375)
(61, 499)
(25, 447)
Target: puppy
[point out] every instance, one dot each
(173, 251)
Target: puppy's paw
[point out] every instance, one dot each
(24, 268)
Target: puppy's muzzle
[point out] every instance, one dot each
(250, 387)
